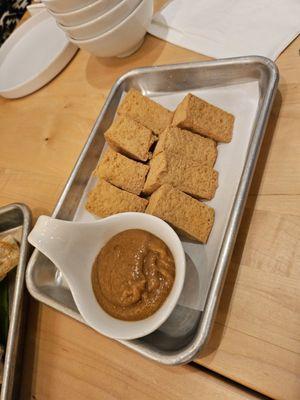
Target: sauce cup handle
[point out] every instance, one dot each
(64, 243)
(50, 236)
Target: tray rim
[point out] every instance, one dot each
(202, 335)
(11, 352)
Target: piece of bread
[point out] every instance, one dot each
(106, 199)
(130, 138)
(122, 172)
(9, 255)
(187, 215)
(145, 111)
(187, 144)
(204, 118)
(197, 179)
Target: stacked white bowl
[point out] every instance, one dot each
(105, 28)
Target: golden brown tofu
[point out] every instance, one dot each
(106, 199)
(197, 179)
(187, 215)
(130, 138)
(187, 144)
(9, 254)
(204, 118)
(122, 172)
(145, 111)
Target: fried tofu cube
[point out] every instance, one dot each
(145, 111)
(197, 179)
(9, 254)
(130, 138)
(204, 118)
(187, 144)
(122, 172)
(187, 215)
(106, 199)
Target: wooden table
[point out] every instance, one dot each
(256, 336)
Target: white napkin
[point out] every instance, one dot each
(229, 28)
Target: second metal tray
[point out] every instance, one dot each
(15, 219)
(183, 336)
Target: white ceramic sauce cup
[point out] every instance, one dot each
(125, 38)
(103, 23)
(73, 248)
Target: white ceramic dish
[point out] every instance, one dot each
(62, 6)
(86, 13)
(73, 247)
(125, 38)
(33, 55)
(102, 23)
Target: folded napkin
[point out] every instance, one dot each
(229, 28)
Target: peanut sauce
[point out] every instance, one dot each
(133, 274)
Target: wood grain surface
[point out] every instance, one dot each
(256, 337)
(72, 361)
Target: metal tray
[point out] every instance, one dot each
(15, 219)
(186, 331)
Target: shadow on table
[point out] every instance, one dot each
(222, 315)
(103, 72)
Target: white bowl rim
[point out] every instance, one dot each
(77, 11)
(48, 3)
(88, 23)
(53, 1)
(115, 28)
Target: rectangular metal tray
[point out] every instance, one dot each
(15, 219)
(186, 331)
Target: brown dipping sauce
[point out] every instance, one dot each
(133, 275)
